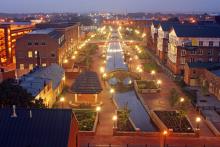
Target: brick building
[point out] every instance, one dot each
(39, 48)
(71, 33)
(154, 34)
(192, 43)
(162, 39)
(204, 74)
(44, 83)
(9, 33)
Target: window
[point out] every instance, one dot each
(183, 52)
(210, 52)
(36, 43)
(192, 60)
(193, 52)
(44, 65)
(31, 66)
(200, 43)
(29, 43)
(30, 54)
(210, 59)
(43, 43)
(211, 43)
(35, 54)
(182, 61)
(200, 52)
(52, 54)
(21, 66)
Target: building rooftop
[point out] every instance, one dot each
(87, 83)
(55, 25)
(42, 31)
(46, 127)
(207, 31)
(48, 31)
(35, 81)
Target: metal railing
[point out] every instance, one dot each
(143, 145)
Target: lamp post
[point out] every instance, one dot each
(62, 99)
(159, 83)
(112, 91)
(164, 137)
(198, 120)
(153, 74)
(115, 118)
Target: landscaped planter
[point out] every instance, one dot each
(169, 120)
(146, 86)
(87, 121)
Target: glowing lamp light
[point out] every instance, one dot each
(182, 99)
(98, 109)
(114, 118)
(198, 119)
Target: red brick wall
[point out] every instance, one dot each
(73, 138)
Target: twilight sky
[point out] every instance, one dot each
(108, 5)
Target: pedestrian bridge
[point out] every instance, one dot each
(122, 74)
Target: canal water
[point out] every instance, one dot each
(139, 116)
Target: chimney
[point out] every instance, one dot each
(30, 114)
(14, 112)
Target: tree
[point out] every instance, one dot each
(11, 93)
(174, 97)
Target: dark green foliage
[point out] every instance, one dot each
(13, 94)
(174, 97)
(86, 119)
(123, 119)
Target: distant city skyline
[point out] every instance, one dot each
(119, 6)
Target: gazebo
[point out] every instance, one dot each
(87, 84)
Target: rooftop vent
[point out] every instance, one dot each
(14, 112)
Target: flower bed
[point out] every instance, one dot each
(175, 122)
(124, 125)
(86, 119)
(144, 86)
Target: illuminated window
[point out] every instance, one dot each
(21, 66)
(31, 66)
(30, 54)
(44, 64)
(35, 54)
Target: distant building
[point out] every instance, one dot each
(192, 43)
(204, 74)
(39, 48)
(9, 33)
(38, 128)
(44, 83)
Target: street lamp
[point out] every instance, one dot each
(102, 70)
(115, 118)
(182, 100)
(165, 137)
(159, 83)
(112, 91)
(198, 120)
(62, 99)
(98, 109)
(153, 72)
